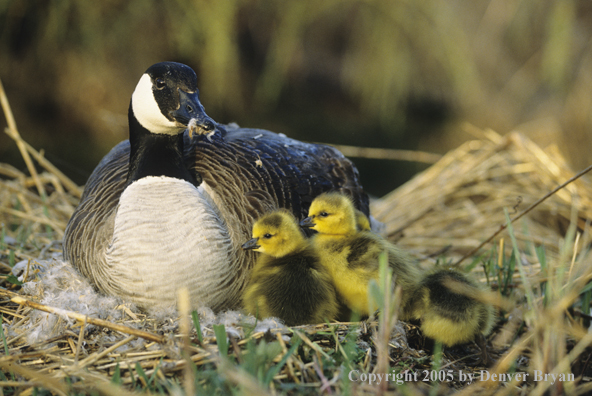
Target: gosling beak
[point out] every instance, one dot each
(308, 222)
(191, 114)
(251, 244)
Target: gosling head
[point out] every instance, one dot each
(166, 101)
(276, 234)
(331, 213)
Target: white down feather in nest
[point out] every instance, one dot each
(57, 284)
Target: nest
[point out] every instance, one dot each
(56, 327)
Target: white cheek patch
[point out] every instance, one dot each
(147, 111)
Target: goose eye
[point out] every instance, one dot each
(160, 84)
(323, 214)
(267, 236)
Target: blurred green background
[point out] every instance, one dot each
(385, 73)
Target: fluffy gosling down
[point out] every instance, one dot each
(288, 280)
(350, 251)
(447, 303)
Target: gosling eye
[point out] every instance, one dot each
(267, 236)
(160, 84)
(323, 214)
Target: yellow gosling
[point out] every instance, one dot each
(447, 303)
(351, 256)
(288, 280)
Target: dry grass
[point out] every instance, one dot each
(454, 205)
(459, 201)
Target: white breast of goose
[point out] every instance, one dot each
(169, 234)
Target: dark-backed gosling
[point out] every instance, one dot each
(447, 303)
(288, 280)
(351, 256)
(162, 210)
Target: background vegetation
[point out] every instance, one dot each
(388, 73)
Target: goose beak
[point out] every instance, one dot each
(251, 244)
(308, 222)
(192, 114)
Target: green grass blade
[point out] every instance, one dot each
(197, 325)
(525, 281)
(489, 264)
(542, 256)
(4, 341)
(470, 267)
(14, 280)
(377, 290)
(383, 273)
(586, 298)
(142, 373)
(220, 332)
(48, 229)
(3, 336)
(436, 364)
(2, 238)
(499, 271)
(374, 296)
(274, 370)
(508, 272)
(11, 257)
(116, 378)
(131, 372)
(587, 288)
(348, 347)
(153, 376)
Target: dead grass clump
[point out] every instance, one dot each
(458, 202)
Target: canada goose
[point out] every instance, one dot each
(164, 210)
(351, 255)
(446, 301)
(288, 280)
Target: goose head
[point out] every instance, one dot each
(276, 234)
(166, 101)
(331, 213)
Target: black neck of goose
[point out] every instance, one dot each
(154, 154)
